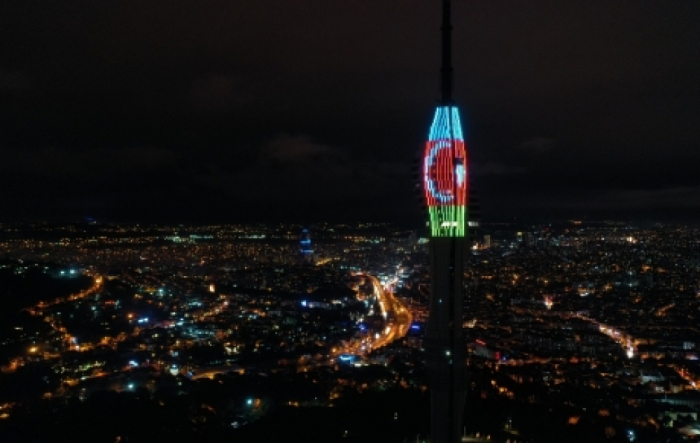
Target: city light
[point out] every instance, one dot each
(553, 340)
(421, 222)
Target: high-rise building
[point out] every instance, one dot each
(305, 248)
(445, 186)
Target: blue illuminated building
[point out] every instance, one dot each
(347, 358)
(305, 244)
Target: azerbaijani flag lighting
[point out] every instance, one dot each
(445, 175)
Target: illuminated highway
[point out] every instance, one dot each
(625, 341)
(97, 284)
(398, 317)
(37, 310)
(397, 322)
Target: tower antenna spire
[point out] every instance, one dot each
(446, 70)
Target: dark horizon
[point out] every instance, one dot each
(407, 225)
(278, 111)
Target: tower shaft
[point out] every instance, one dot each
(445, 344)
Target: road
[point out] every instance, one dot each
(92, 290)
(398, 321)
(398, 317)
(96, 286)
(38, 310)
(627, 342)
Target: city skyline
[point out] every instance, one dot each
(184, 332)
(208, 225)
(242, 112)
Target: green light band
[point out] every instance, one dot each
(448, 221)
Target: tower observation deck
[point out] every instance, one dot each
(446, 191)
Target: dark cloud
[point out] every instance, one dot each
(486, 169)
(156, 108)
(219, 93)
(294, 150)
(537, 145)
(297, 178)
(65, 164)
(13, 81)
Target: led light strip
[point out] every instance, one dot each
(445, 174)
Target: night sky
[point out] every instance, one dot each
(233, 110)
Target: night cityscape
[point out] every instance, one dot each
(435, 222)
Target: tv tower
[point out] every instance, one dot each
(445, 186)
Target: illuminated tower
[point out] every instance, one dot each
(305, 246)
(445, 186)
